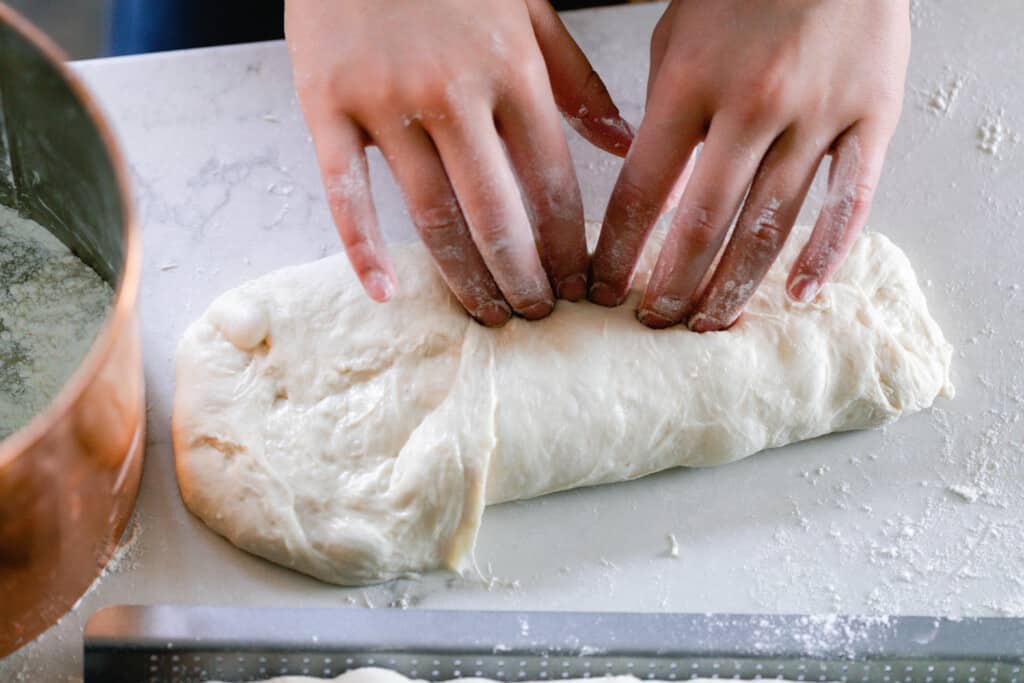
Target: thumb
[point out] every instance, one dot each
(579, 92)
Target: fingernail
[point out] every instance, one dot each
(622, 125)
(603, 294)
(623, 128)
(493, 314)
(702, 322)
(653, 319)
(538, 310)
(628, 127)
(379, 286)
(804, 288)
(573, 287)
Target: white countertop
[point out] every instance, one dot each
(861, 523)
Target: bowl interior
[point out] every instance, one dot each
(55, 169)
(54, 164)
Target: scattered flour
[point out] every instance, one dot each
(948, 552)
(51, 307)
(943, 97)
(920, 13)
(991, 133)
(125, 557)
(994, 133)
(965, 492)
(673, 546)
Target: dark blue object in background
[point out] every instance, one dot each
(157, 25)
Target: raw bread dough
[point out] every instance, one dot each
(358, 442)
(374, 675)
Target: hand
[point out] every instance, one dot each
(462, 97)
(770, 87)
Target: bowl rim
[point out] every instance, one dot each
(122, 310)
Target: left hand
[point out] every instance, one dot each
(463, 100)
(771, 87)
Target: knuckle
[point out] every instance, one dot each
(435, 92)
(358, 245)
(861, 195)
(816, 110)
(767, 231)
(680, 80)
(438, 224)
(764, 96)
(344, 184)
(767, 237)
(519, 83)
(863, 191)
(410, 92)
(700, 225)
(491, 230)
(637, 202)
(384, 96)
(337, 84)
(762, 104)
(850, 203)
(533, 72)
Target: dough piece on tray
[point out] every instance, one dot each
(359, 442)
(374, 675)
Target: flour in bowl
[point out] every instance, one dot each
(52, 305)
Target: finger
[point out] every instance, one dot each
(339, 148)
(853, 176)
(663, 145)
(580, 93)
(767, 217)
(675, 195)
(659, 44)
(536, 144)
(726, 166)
(475, 162)
(439, 221)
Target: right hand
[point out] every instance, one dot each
(770, 88)
(462, 98)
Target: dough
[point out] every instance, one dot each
(358, 442)
(374, 675)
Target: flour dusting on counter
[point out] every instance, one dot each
(51, 307)
(993, 132)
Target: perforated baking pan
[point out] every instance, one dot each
(166, 644)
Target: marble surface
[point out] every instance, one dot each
(924, 517)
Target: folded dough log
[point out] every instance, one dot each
(357, 442)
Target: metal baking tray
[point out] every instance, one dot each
(167, 644)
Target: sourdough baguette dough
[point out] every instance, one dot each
(358, 442)
(374, 675)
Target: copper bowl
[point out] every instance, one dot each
(69, 478)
